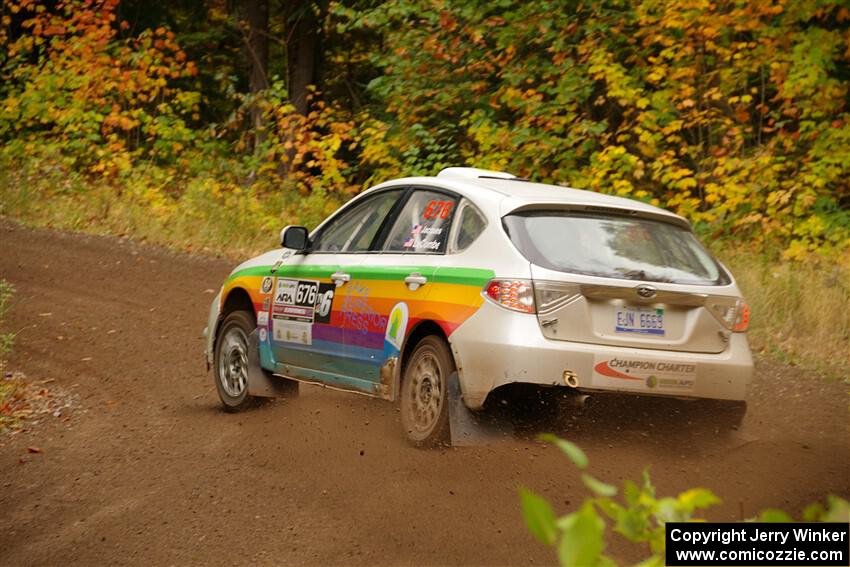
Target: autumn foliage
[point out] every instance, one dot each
(735, 114)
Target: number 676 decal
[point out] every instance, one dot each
(441, 209)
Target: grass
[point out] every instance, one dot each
(800, 311)
(7, 340)
(10, 392)
(210, 215)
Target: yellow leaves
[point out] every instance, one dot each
(673, 126)
(623, 187)
(779, 198)
(512, 93)
(656, 75)
(797, 250)
(686, 183)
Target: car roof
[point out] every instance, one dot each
(502, 193)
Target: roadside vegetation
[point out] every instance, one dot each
(7, 340)
(200, 126)
(23, 400)
(639, 515)
(11, 392)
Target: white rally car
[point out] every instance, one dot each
(493, 278)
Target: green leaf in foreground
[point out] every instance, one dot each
(570, 449)
(697, 499)
(774, 515)
(597, 486)
(539, 517)
(581, 543)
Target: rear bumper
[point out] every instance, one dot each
(495, 347)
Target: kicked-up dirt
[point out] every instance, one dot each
(148, 470)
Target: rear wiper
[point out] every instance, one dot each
(641, 275)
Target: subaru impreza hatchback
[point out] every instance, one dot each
(492, 277)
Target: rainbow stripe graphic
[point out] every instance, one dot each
(348, 346)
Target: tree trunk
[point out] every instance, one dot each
(255, 29)
(302, 44)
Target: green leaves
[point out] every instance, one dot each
(570, 449)
(640, 518)
(582, 541)
(597, 486)
(539, 517)
(696, 499)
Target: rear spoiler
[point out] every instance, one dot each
(582, 208)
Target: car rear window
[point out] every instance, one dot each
(613, 246)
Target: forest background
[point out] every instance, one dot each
(209, 124)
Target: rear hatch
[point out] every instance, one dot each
(611, 277)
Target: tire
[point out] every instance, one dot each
(230, 368)
(424, 393)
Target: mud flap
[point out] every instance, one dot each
(260, 382)
(468, 427)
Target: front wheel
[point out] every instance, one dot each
(231, 361)
(424, 393)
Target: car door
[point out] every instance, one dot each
(308, 322)
(389, 290)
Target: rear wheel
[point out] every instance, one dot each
(424, 392)
(231, 360)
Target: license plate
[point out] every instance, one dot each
(641, 320)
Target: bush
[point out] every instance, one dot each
(579, 537)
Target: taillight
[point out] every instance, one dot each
(732, 312)
(517, 295)
(742, 321)
(551, 296)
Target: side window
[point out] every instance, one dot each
(354, 229)
(423, 224)
(470, 224)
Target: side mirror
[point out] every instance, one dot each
(294, 237)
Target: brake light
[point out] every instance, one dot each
(516, 295)
(742, 321)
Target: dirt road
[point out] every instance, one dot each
(149, 471)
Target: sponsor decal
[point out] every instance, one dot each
(298, 304)
(285, 292)
(637, 374)
(268, 283)
(358, 314)
(296, 312)
(263, 334)
(419, 238)
(266, 303)
(397, 325)
(292, 331)
(262, 318)
(295, 300)
(324, 302)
